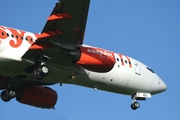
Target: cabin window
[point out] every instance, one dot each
(3, 33)
(12, 35)
(8, 34)
(21, 38)
(126, 61)
(117, 59)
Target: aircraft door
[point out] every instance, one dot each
(137, 67)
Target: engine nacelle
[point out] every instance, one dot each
(96, 59)
(91, 58)
(38, 96)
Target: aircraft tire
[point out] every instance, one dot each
(4, 97)
(43, 70)
(10, 93)
(37, 74)
(132, 106)
(135, 105)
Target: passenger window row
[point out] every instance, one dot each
(128, 61)
(16, 36)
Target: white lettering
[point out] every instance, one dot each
(93, 51)
(89, 50)
(106, 53)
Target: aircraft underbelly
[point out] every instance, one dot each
(110, 81)
(18, 70)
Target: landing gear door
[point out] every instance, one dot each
(137, 68)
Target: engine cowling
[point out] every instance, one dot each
(38, 96)
(96, 59)
(90, 58)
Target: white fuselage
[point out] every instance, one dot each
(124, 77)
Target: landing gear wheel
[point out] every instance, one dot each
(4, 97)
(44, 70)
(10, 93)
(37, 74)
(41, 72)
(132, 106)
(135, 105)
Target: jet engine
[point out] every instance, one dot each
(94, 59)
(38, 96)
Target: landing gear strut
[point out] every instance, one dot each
(138, 96)
(135, 105)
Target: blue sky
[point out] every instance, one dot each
(148, 31)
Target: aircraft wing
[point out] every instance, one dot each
(67, 21)
(65, 26)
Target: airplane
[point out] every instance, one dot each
(29, 62)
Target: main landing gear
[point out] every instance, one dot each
(8, 94)
(42, 70)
